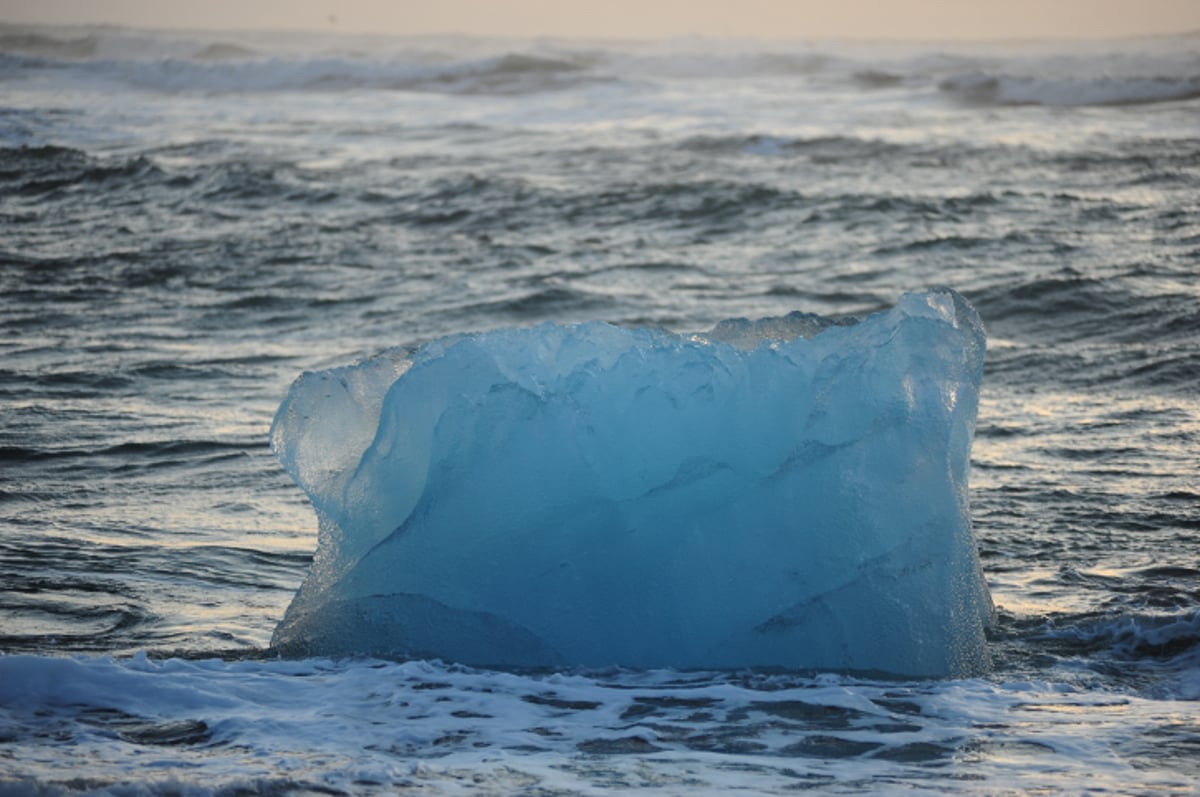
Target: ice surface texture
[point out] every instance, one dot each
(789, 492)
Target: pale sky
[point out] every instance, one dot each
(909, 19)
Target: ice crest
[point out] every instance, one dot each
(589, 495)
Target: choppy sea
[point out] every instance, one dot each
(189, 221)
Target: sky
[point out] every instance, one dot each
(905, 19)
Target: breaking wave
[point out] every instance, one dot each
(1108, 73)
(983, 88)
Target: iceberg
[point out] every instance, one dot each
(783, 493)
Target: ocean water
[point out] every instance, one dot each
(189, 221)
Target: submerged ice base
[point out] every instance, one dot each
(784, 493)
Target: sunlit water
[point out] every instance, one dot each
(189, 221)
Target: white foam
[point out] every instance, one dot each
(201, 727)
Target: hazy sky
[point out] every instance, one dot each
(656, 18)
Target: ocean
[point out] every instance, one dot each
(191, 220)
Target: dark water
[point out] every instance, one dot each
(188, 223)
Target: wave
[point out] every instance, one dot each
(982, 88)
(1066, 306)
(174, 64)
(1160, 653)
(28, 43)
(511, 73)
(371, 727)
(1060, 74)
(43, 171)
(1162, 638)
(222, 51)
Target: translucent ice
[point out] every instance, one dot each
(789, 492)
